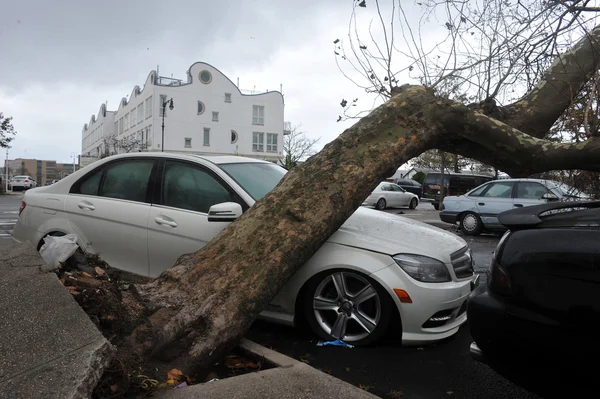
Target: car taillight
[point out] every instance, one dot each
(25, 181)
(448, 192)
(498, 279)
(422, 190)
(22, 207)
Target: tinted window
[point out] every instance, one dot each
(433, 178)
(91, 183)
(530, 190)
(477, 192)
(499, 190)
(186, 186)
(405, 182)
(127, 180)
(257, 179)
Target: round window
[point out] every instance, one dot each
(201, 108)
(234, 136)
(205, 77)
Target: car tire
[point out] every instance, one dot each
(471, 224)
(381, 204)
(374, 311)
(436, 207)
(413, 203)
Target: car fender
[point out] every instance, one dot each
(330, 256)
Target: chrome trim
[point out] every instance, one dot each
(476, 353)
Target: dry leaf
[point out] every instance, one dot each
(306, 389)
(99, 271)
(87, 274)
(175, 374)
(114, 388)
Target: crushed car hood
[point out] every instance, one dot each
(393, 234)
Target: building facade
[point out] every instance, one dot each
(42, 171)
(209, 115)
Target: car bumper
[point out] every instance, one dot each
(449, 217)
(437, 309)
(22, 233)
(369, 202)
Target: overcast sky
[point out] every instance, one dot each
(61, 59)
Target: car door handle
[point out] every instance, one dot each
(165, 222)
(518, 205)
(481, 203)
(86, 205)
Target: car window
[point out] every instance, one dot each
(530, 190)
(187, 186)
(387, 187)
(397, 188)
(91, 183)
(127, 180)
(477, 192)
(499, 190)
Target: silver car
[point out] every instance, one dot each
(390, 195)
(478, 209)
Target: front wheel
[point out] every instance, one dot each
(381, 204)
(413, 203)
(347, 305)
(471, 224)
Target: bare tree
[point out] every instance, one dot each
(112, 145)
(297, 147)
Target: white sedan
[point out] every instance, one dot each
(22, 183)
(390, 195)
(141, 211)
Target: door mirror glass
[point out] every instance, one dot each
(224, 212)
(550, 197)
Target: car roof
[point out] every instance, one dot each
(216, 159)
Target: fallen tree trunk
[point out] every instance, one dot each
(206, 302)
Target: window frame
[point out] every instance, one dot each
(258, 134)
(227, 97)
(162, 106)
(493, 183)
(271, 135)
(159, 179)
(215, 116)
(75, 187)
(185, 139)
(258, 120)
(205, 135)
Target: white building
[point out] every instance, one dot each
(210, 115)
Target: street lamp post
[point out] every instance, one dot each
(164, 108)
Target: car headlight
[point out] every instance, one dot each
(423, 268)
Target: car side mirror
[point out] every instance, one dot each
(550, 197)
(224, 212)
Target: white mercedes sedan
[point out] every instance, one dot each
(141, 211)
(390, 195)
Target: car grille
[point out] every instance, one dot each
(462, 263)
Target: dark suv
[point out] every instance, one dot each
(537, 320)
(454, 184)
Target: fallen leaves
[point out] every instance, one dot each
(234, 362)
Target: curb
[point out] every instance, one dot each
(275, 358)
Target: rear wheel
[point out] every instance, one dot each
(381, 204)
(471, 224)
(413, 203)
(347, 305)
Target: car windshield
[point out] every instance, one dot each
(566, 190)
(257, 179)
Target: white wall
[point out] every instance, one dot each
(93, 133)
(184, 121)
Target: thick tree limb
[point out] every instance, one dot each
(537, 111)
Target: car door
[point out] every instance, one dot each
(495, 199)
(178, 219)
(529, 193)
(402, 197)
(108, 210)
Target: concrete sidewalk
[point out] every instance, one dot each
(49, 348)
(290, 379)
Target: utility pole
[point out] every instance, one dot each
(6, 172)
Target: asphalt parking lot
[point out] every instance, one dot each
(389, 370)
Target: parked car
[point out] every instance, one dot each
(539, 313)
(376, 270)
(22, 183)
(412, 186)
(454, 184)
(479, 208)
(389, 195)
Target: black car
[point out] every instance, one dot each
(537, 319)
(455, 183)
(412, 186)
